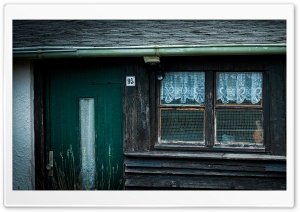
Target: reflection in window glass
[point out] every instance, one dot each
(87, 139)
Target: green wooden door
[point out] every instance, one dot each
(84, 127)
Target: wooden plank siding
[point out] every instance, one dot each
(136, 108)
(277, 106)
(159, 172)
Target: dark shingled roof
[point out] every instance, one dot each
(122, 33)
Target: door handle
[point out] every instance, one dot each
(49, 166)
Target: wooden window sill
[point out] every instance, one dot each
(200, 146)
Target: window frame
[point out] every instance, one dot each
(210, 107)
(178, 106)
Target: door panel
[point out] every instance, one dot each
(84, 127)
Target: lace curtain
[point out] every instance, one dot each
(238, 87)
(185, 87)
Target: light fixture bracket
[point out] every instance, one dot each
(151, 59)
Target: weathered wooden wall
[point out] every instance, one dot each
(149, 166)
(136, 108)
(277, 96)
(186, 170)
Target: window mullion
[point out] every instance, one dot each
(209, 109)
(266, 109)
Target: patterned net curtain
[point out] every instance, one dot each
(239, 87)
(183, 88)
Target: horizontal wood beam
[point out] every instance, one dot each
(189, 155)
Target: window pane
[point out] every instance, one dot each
(183, 88)
(239, 127)
(182, 125)
(87, 139)
(239, 88)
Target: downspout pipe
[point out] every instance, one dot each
(160, 51)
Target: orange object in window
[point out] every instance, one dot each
(258, 135)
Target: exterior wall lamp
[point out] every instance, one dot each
(153, 63)
(160, 75)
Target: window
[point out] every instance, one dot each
(238, 109)
(182, 97)
(221, 109)
(87, 140)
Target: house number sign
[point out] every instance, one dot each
(130, 80)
